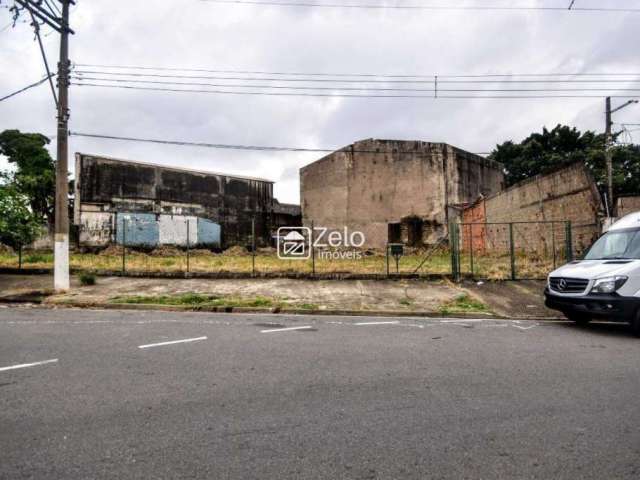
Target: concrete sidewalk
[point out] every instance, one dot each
(384, 297)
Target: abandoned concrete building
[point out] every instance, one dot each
(394, 191)
(568, 194)
(286, 215)
(145, 204)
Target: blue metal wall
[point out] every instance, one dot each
(143, 230)
(137, 229)
(208, 233)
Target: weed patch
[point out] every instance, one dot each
(87, 279)
(463, 303)
(196, 300)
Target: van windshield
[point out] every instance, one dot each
(616, 245)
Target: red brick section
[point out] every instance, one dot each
(567, 194)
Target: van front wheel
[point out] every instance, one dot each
(635, 324)
(578, 318)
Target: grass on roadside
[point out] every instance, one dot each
(197, 300)
(463, 303)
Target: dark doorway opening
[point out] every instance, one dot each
(395, 233)
(414, 231)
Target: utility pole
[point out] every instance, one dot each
(607, 149)
(61, 239)
(608, 156)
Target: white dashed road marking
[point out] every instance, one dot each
(161, 344)
(27, 365)
(288, 329)
(464, 320)
(362, 324)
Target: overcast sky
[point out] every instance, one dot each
(200, 34)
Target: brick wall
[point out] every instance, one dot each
(567, 194)
(627, 205)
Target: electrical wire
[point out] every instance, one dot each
(373, 89)
(239, 147)
(40, 82)
(303, 94)
(385, 79)
(81, 73)
(425, 7)
(344, 74)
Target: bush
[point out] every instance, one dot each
(87, 279)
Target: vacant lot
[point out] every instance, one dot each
(487, 266)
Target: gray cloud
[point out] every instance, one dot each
(199, 34)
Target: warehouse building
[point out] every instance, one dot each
(144, 204)
(394, 191)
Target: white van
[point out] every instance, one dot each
(606, 283)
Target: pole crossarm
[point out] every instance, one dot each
(35, 7)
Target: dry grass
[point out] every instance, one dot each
(488, 266)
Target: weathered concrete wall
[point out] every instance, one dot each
(374, 183)
(105, 186)
(627, 205)
(568, 194)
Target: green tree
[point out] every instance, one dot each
(562, 146)
(34, 175)
(18, 224)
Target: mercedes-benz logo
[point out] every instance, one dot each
(562, 285)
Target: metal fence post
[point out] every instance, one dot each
(512, 252)
(124, 243)
(471, 247)
(188, 242)
(313, 250)
(553, 244)
(453, 243)
(569, 240)
(19, 257)
(387, 259)
(253, 246)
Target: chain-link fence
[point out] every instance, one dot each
(516, 250)
(494, 251)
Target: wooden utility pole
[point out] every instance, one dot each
(61, 240)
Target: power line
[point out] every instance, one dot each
(40, 82)
(303, 94)
(343, 74)
(36, 28)
(80, 74)
(238, 147)
(425, 7)
(372, 89)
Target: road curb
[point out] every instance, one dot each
(288, 311)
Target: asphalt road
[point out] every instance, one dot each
(339, 399)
